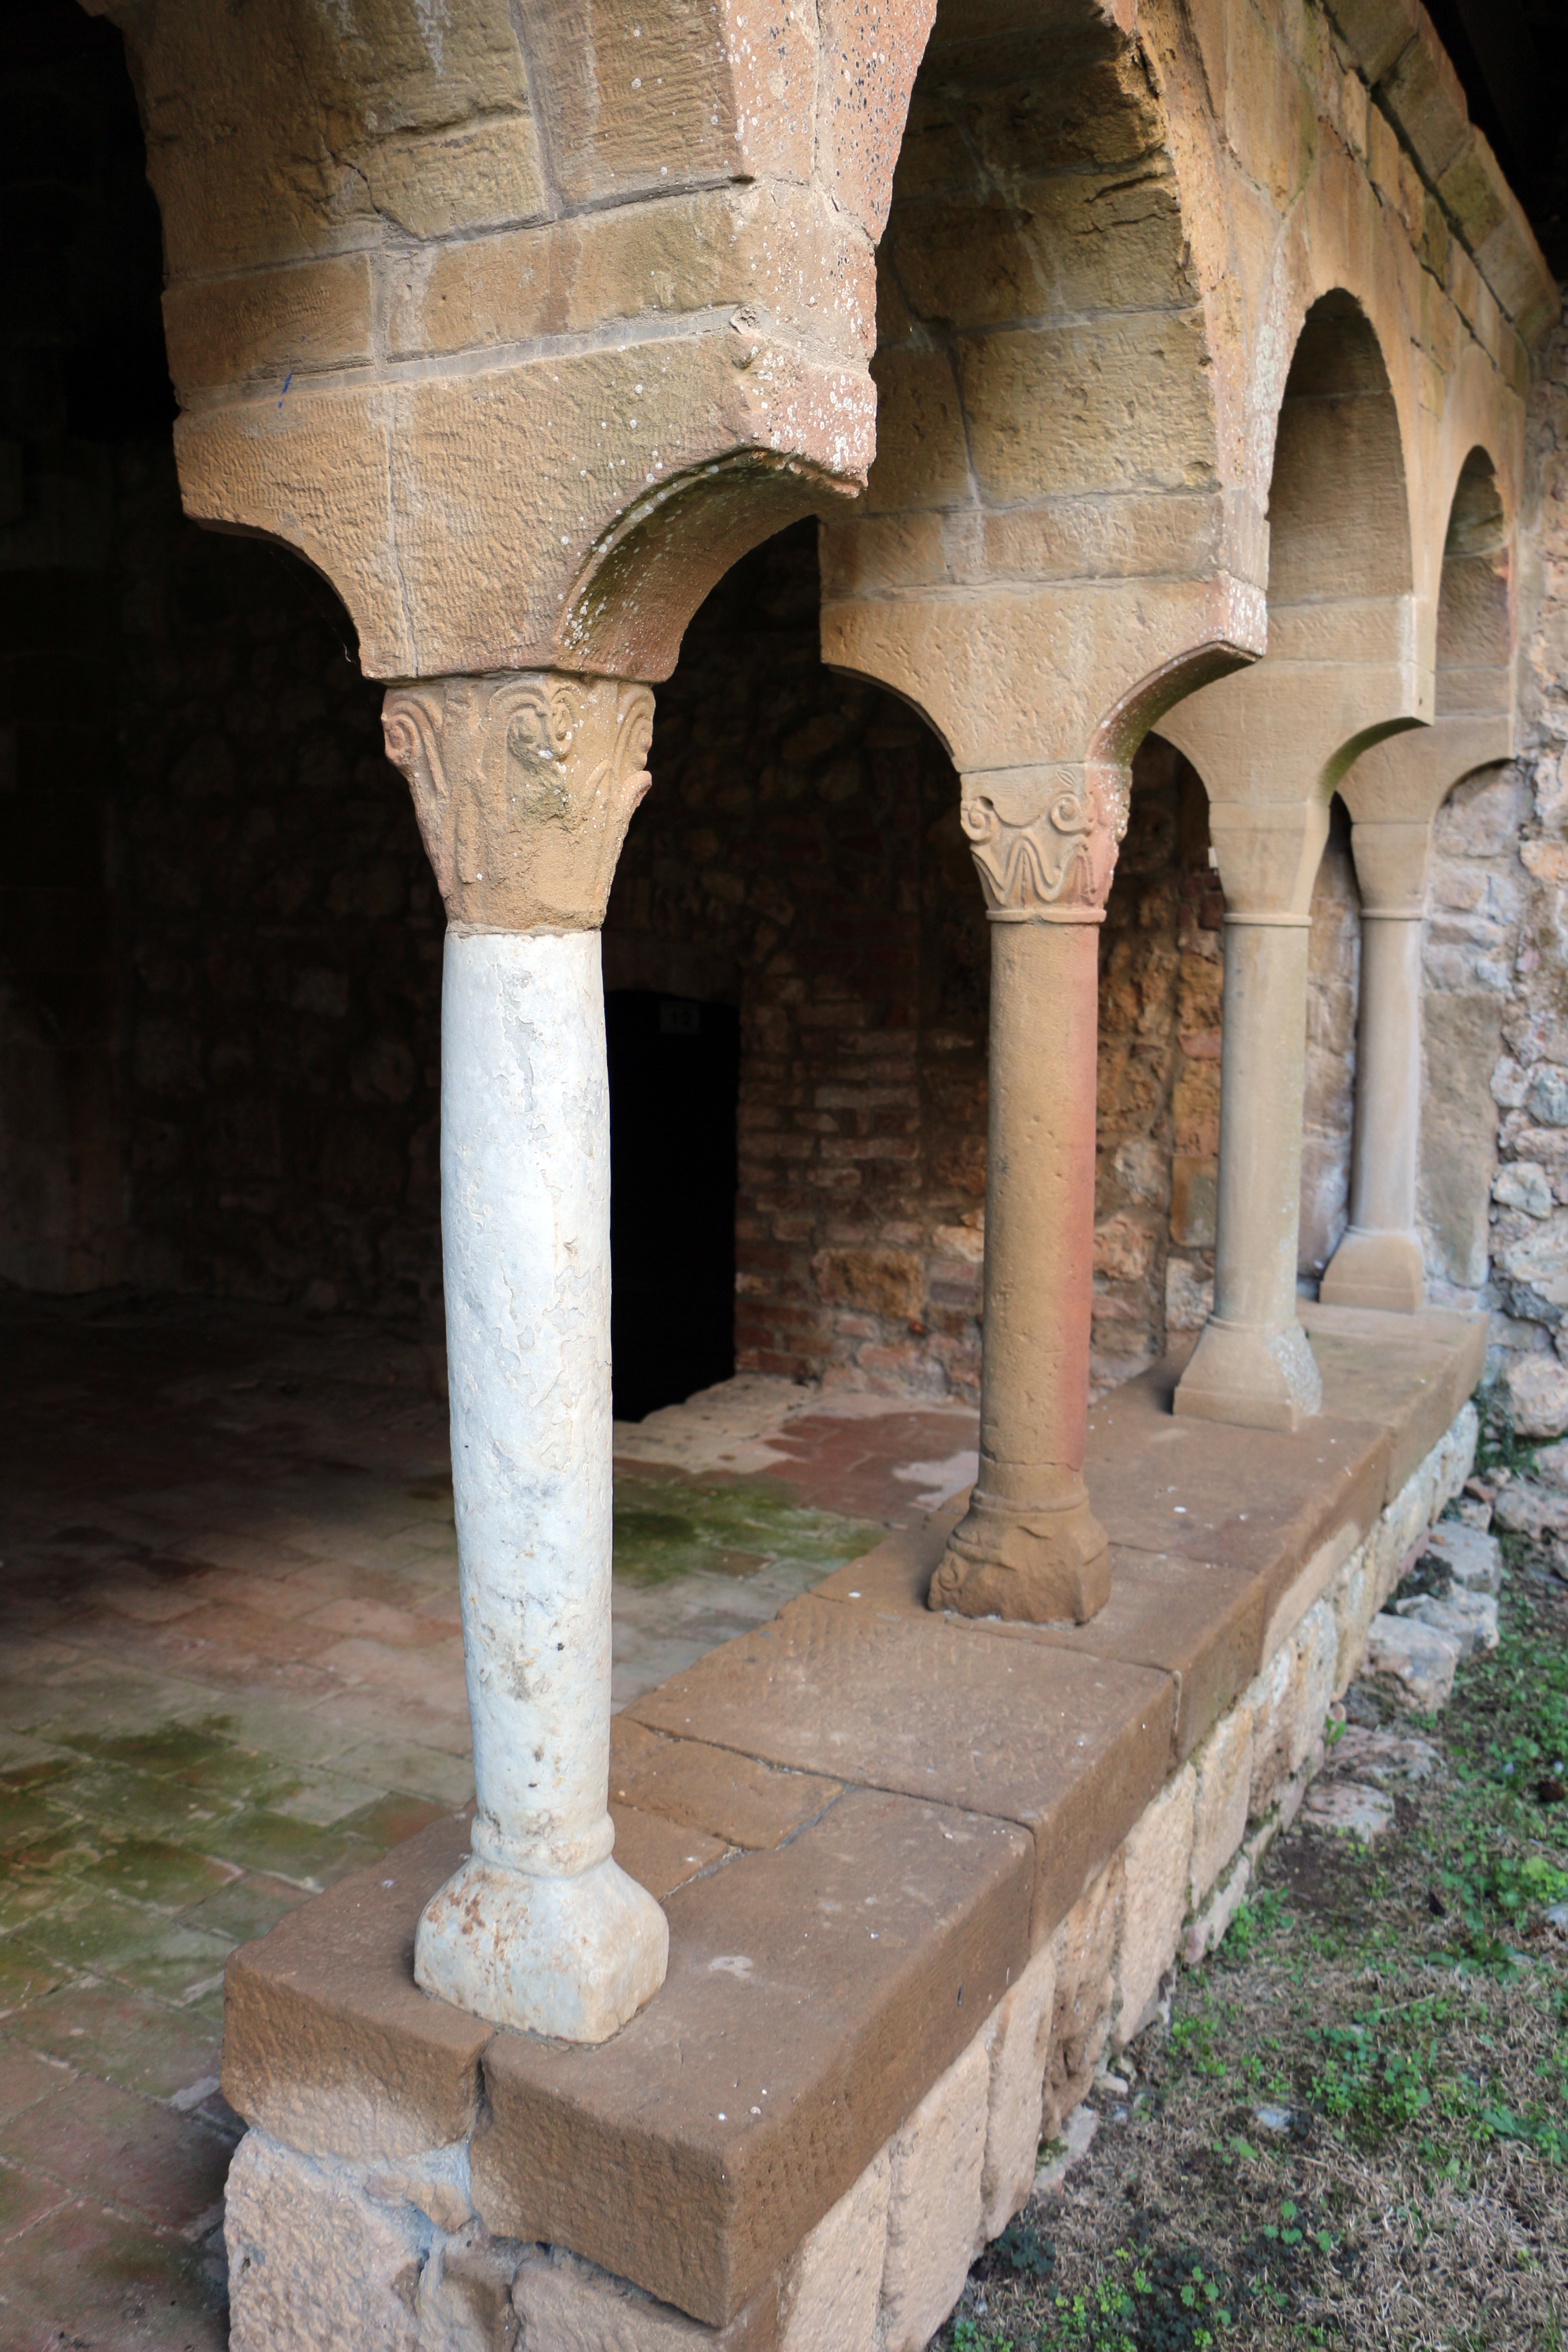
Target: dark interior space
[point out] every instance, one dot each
(219, 939)
(674, 1070)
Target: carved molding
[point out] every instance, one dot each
(1045, 840)
(523, 786)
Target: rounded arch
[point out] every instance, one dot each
(1338, 508)
(1474, 596)
(1047, 523)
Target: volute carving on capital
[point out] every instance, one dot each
(523, 786)
(1044, 839)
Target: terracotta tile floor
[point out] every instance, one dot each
(231, 1669)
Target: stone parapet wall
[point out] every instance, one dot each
(392, 2248)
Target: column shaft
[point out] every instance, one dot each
(1252, 1363)
(1030, 1547)
(538, 1927)
(1379, 1262)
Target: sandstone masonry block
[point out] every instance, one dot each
(314, 2264)
(1354, 1605)
(1017, 2041)
(1224, 1768)
(567, 2305)
(935, 2205)
(1157, 1861)
(1083, 1948)
(1316, 1657)
(831, 2290)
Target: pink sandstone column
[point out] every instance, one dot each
(1045, 843)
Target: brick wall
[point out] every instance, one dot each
(800, 853)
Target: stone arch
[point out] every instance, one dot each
(448, 300)
(1338, 506)
(1476, 597)
(1046, 525)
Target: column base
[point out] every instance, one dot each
(1376, 1269)
(1037, 1564)
(1255, 1377)
(571, 1957)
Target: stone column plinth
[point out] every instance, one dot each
(1378, 1263)
(1252, 1363)
(524, 786)
(1045, 843)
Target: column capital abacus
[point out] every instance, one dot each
(1044, 839)
(524, 786)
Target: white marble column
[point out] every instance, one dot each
(1045, 843)
(524, 786)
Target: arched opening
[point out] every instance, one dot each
(798, 882)
(1469, 933)
(1338, 521)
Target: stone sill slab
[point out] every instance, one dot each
(866, 1824)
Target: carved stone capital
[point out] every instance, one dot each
(1044, 839)
(523, 786)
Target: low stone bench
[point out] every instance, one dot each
(918, 1870)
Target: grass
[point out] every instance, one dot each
(1354, 2130)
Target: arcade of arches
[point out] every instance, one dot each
(923, 632)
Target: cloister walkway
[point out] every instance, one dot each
(231, 1673)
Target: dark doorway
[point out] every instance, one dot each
(675, 1071)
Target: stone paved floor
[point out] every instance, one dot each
(231, 1670)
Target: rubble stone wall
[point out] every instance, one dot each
(1496, 1008)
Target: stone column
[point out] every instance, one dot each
(1045, 843)
(1379, 1262)
(1393, 792)
(1252, 1363)
(524, 786)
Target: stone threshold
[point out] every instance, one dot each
(897, 1851)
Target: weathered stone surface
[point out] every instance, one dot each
(313, 2260)
(1083, 1948)
(1028, 1732)
(1415, 1662)
(812, 1994)
(731, 1797)
(661, 1855)
(1197, 1622)
(1525, 1509)
(1148, 1476)
(1387, 1758)
(1206, 1930)
(571, 2306)
(1348, 1808)
(1470, 1556)
(830, 2293)
(1538, 1395)
(328, 2042)
(1460, 1036)
(260, 326)
(1470, 1619)
(1413, 1379)
(1017, 2043)
(1224, 1768)
(935, 2204)
(464, 2303)
(1156, 1866)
